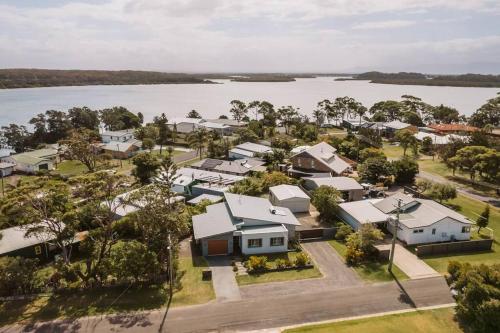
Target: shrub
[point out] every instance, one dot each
(257, 264)
(281, 263)
(342, 232)
(301, 260)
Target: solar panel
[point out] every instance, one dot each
(211, 163)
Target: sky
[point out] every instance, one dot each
(328, 36)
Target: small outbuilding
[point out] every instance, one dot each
(348, 187)
(291, 197)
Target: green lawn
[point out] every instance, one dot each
(439, 168)
(430, 321)
(393, 151)
(471, 208)
(70, 168)
(371, 271)
(296, 274)
(191, 290)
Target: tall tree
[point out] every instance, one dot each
(488, 113)
(484, 219)
(146, 166)
(15, 136)
(467, 159)
(445, 114)
(80, 147)
(197, 139)
(287, 115)
(193, 114)
(119, 118)
(84, 117)
(238, 110)
(161, 123)
(386, 110)
(406, 139)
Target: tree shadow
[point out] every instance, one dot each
(66, 325)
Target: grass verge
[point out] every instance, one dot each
(429, 321)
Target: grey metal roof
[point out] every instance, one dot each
(396, 124)
(240, 166)
(14, 239)
(242, 152)
(247, 207)
(216, 221)
(210, 197)
(364, 211)
(254, 147)
(283, 192)
(340, 183)
(325, 154)
(205, 176)
(118, 133)
(229, 122)
(390, 204)
(263, 229)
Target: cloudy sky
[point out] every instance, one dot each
(434, 36)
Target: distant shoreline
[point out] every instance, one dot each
(418, 79)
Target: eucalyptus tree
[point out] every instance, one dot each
(238, 110)
(287, 115)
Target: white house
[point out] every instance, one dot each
(242, 223)
(248, 150)
(184, 125)
(291, 197)
(33, 161)
(348, 187)
(117, 136)
(421, 221)
(6, 169)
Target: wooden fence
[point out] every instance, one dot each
(454, 247)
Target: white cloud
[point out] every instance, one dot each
(203, 35)
(383, 24)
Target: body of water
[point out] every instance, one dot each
(212, 100)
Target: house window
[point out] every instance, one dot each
(418, 231)
(434, 231)
(465, 230)
(313, 164)
(299, 161)
(277, 241)
(38, 250)
(255, 243)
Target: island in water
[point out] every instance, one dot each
(405, 78)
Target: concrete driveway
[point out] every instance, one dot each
(223, 279)
(336, 275)
(410, 264)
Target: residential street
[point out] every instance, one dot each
(265, 312)
(469, 193)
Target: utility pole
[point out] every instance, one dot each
(119, 157)
(394, 235)
(3, 192)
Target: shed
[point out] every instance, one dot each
(291, 197)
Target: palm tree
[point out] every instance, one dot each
(196, 140)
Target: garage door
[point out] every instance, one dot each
(216, 247)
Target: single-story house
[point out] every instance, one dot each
(229, 122)
(240, 167)
(349, 188)
(242, 223)
(222, 129)
(14, 242)
(184, 125)
(392, 127)
(319, 159)
(117, 136)
(420, 221)
(248, 150)
(453, 128)
(33, 161)
(291, 197)
(353, 124)
(194, 182)
(436, 139)
(121, 150)
(6, 169)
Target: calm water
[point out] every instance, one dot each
(212, 100)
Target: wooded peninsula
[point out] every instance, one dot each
(404, 78)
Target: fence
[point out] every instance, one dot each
(319, 233)
(454, 247)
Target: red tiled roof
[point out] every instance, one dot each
(453, 128)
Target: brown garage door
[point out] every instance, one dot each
(216, 247)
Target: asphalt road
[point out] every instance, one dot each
(261, 313)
